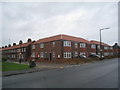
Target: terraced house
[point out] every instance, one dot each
(55, 48)
(65, 46)
(16, 52)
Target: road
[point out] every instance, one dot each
(100, 74)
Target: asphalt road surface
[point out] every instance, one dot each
(101, 74)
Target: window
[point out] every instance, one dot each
(67, 43)
(105, 47)
(33, 46)
(92, 53)
(41, 45)
(93, 46)
(24, 49)
(53, 44)
(53, 54)
(98, 46)
(111, 53)
(67, 54)
(106, 54)
(33, 54)
(82, 45)
(41, 54)
(76, 54)
(111, 48)
(76, 45)
(22, 56)
(82, 53)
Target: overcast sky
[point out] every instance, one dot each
(21, 20)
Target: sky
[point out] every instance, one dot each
(36, 20)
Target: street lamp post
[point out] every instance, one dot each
(20, 42)
(101, 42)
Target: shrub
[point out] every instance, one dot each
(4, 59)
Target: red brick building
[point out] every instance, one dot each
(65, 46)
(16, 52)
(55, 48)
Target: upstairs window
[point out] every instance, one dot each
(105, 47)
(53, 44)
(67, 43)
(98, 46)
(41, 45)
(33, 46)
(82, 45)
(76, 45)
(111, 48)
(93, 46)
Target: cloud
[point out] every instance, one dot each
(38, 20)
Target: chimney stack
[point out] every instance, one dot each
(14, 44)
(9, 45)
(29, 40)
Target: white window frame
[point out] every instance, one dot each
(53, 44)
(93, 46)
(111, 48)
(98, 46)
(76, 45)
(24, 49)
(33, 54)
(82, 53)
(67, 43)
(42, 54)
(82, 45)
(33, 46)
(67, 54)
(92, 53)
(53, 54)
(76, 54)
(41, 45)
(105, 47)
(106, 53)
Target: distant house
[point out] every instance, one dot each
(116, 48)
(16, 52)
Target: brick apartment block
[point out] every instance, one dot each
(56, 47)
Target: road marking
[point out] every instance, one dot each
(72, 66)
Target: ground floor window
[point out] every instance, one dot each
(92, 53)
(106, 54)
(76, 54)
(67, 54)
(82, 53)
(33, 54)
(53, 54)
(111, 53)
(41, 54)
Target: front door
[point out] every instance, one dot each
(50, 56)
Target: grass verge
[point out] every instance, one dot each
(7, 66)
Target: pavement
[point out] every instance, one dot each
(101, 74)
(39, 67)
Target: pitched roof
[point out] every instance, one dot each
(17, 46)
(97, 42)
(63, 37)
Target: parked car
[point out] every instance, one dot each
(82, 56)
(95, 55)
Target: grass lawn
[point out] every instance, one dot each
(7, 66)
